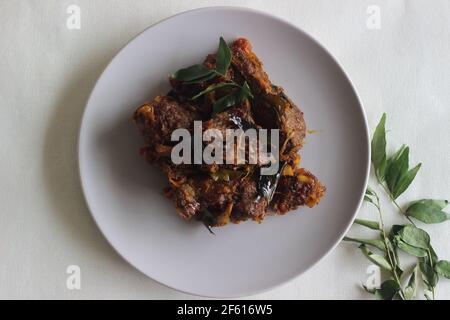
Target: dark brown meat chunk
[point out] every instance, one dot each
(300, 189)
(157, 119)
(276, 111)
(248, 204)
(251, 68)
(181, 189)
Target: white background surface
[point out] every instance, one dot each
(47, 72)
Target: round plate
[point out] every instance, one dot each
(125, 195)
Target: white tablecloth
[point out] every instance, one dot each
(47, 72)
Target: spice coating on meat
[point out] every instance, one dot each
(156, 120)
(301, 189)
(251, 68)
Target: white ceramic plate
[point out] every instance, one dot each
(124, 193)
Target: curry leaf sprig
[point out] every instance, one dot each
(199, 73)
(395, 176)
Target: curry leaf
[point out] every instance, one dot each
(396, 155)
(439, 204)
(232, 99)
(368, 196)
(410, 290)
(210, 76)
(375, 258)
(443, 268)
(227, 101)
(388, 290)
(246, 90)
(194, 72)
(379, 244)
(374, 225)
(428, 211)
(223, 57)
(397, 167)
(395, 230)
(429, 275)
(426, 265)
(378, 147)
(390, 239)
(214, 87)
(432, 256)
(405, 181)
(414, 251)
(393, 252)
(415, 237)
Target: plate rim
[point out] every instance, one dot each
(366, 140)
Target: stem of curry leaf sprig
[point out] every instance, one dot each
(386, 190)
(388, 251)
(432, 267)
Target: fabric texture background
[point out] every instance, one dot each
(47, 72)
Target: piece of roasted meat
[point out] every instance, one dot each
(219, 193)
